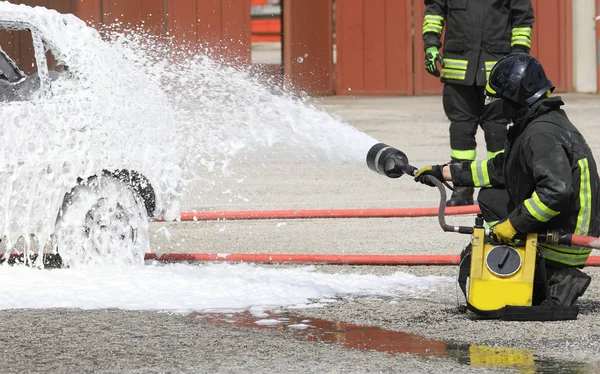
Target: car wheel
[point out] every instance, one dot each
(102, 221)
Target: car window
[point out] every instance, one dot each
(18, 67)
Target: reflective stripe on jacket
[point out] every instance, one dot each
(551, 177)
(478, 33)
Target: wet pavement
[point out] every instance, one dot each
(423, 334)
(373, 338)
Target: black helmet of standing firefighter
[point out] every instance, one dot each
(520, 78)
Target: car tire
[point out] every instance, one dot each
(102, 221)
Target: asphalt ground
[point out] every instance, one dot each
(65, 341)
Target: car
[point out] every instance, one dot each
(89, 151)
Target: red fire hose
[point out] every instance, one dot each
(275, 258)
(585, 241)
(270, 258)
(409, 260)
(324, 213)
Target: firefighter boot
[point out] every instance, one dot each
(461, 196)
(567, 285)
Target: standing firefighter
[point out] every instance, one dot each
(546, 178)
(478, 34)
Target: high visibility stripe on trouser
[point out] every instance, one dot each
(467, 155)
(572, 256)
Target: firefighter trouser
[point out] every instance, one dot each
(465, 108)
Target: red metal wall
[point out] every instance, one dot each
(308, 46)
(148, 14)
(374, 47)
(224, 24)
(362, 46)
(552, 40)
(377, 51)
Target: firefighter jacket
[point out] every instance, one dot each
(550, 174)
(478, 34)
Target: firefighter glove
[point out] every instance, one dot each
(432, 57)
(504, 231)
(435, 171)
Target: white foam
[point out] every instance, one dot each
(206, 287)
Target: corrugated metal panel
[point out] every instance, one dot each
(88, 10)
(374, 47)
(182, 20)
(146, 14)
(236, 32)
(224, 25)
(308, 46)
(552, 41)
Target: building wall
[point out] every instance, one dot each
(223, 25)
(371, 31)
(378, 52)
(585, 46)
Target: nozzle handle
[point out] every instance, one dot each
(442, 210)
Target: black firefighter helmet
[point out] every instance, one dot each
(518, 77)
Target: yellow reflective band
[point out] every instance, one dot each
(492, 223)
(489, 65)
(453, 74)
(432, 28)
(493, 154)
(513, 37)
(468, 155)
(432, 24)
(521, 30)
(452, 63)
(568, 259)
(569, 250)
(585, 198)
(538, 209)
(434, 18)
(480, 175)
(490, 90)
(519, 40)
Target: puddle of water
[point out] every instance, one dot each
(373, 338)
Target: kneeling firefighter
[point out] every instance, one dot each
(546, 178)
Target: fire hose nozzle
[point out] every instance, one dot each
(389, 161)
